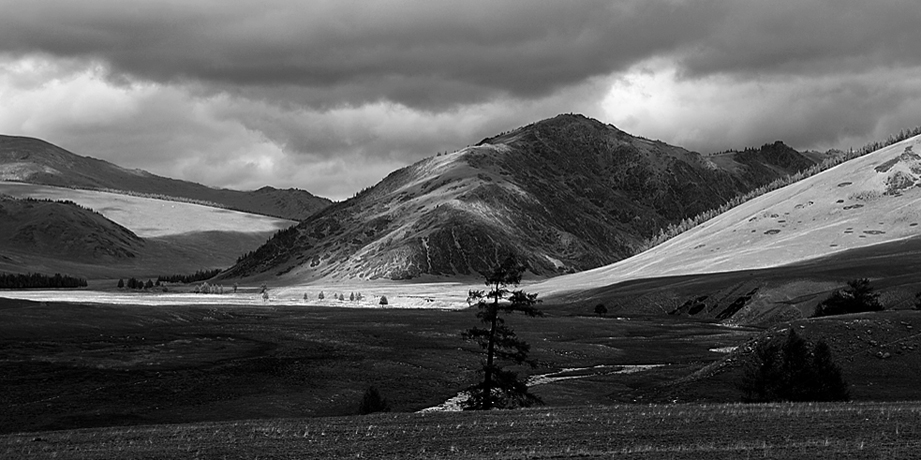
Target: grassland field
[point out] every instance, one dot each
(674, 431)
(71, 365)
(147, 379)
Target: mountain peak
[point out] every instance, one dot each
(564, 194)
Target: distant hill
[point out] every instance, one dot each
(64, 230)
(153, 237)
(25, 159)
(566, 194)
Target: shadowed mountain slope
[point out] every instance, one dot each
(564, 194)
(24, 159)
(130, 236)
(63, 230)
(860, 204)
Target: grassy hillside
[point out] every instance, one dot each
(165, 236)
(763, 296)
(864, 202)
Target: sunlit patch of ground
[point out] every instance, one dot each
(151, 218)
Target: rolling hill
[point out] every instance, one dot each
(29, 160)
(566, 194)
(129, 236)
(778, 255)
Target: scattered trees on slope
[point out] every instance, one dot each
(501, 388)
(858, 297)
(792, 371)
(675, 229)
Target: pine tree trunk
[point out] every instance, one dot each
(490, 349)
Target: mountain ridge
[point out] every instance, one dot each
(566, 194)
(866, 201)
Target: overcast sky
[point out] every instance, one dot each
(332, 96)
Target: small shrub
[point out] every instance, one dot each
(858, 297)
(321, 296)
(601, 310)
(383, 300)
(372, 402)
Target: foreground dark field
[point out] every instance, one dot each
(680, 431)
(68, 366)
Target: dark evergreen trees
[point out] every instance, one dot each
(38, 280)
(500, 387)
(792, 371)
(372, 401)
(856, 298)
(199, 275)
(601, 310)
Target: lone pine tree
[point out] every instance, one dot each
(501, 388)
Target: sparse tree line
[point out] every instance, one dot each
(353, 297)
(199, 275)
(159, 196)
(134, 283)
(205, 288)
(675, 229)
(37, 280)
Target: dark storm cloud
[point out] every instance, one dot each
(332, 95)
(808, 38)
(420, 54)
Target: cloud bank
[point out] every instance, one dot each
(331, 96)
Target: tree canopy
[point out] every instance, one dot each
(858, 297)
(792, 371)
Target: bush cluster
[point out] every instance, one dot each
(134, 283)
(792, 371)
(858, 297)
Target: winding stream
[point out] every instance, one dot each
(454, 403)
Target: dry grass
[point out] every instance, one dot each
(724, 431)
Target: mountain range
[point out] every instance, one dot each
(29, 160)
(564, 194)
